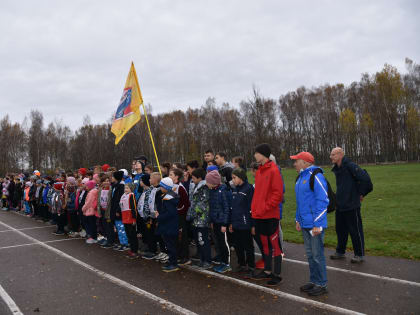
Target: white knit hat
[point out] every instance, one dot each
(167, 183)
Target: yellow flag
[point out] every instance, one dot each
(128, 112)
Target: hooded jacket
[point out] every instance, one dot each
(168, 214)
(220, 203)
(198, 213)
(240, 217)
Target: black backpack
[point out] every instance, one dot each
(331, 194)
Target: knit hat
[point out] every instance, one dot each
(141, 158)
(125, 172)
(241, 173)
(28, 184)
(213, 178)
(145, 179)
(118, 175)
(82, 171)
(85, 180)
(37, 173)
(105, 167)
(59, 185)
(91, 184)
(212, 168)
(263, 149)
(167, 183)
(71, 181)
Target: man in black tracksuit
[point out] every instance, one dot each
(353, 184)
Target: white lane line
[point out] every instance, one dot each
(168, 305)
(29, 244)
(363, 274)
(9, 302)
(28, 228)
(296, 298)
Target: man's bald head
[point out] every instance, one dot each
(337, 155)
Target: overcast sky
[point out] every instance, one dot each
(69, 59)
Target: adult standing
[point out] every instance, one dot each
(311, 219)
(353, 184)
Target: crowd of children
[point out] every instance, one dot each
(159, 215)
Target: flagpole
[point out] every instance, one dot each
(147, 120)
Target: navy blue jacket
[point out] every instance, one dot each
(220, 204)
(240, 216)
(348, 192)
(168, 214)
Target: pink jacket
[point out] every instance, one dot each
(91, 203)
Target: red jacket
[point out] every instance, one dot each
(268, 192)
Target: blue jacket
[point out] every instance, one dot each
(220, 203)
(348, 192)
(138, 190)
(168, 215)
(45, 195)
(240, 217)
(311, 206)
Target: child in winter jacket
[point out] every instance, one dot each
(220, 203)
(198, 214)
(90, 211)
(129, 219)
(242, 225)
(57, 208)
(167, 217)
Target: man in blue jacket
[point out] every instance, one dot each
(353, 184)
(311, 219)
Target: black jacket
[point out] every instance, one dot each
(348, 191)
(241, 207)
(117, 192)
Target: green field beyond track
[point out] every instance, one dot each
(390, 214)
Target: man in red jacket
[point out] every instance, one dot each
(265, 211)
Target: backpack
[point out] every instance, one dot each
(363, 187)
(331, 194)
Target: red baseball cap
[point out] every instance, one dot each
(305, 156)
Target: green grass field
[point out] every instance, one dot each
(390, 214)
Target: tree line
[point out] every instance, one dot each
(375, 120)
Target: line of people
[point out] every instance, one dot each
(183, 205)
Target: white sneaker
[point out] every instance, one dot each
(100, 238)
(91, 241)
(82, 233)
(74, 234)
(164, 257)
(159, 256)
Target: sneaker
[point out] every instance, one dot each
(164, 257)
(82, 233)
(58, 233)
(249, 274)
(357, 259)
(185, 262)
(307, 287)
(170, 268)
(259, 264)
(150, 256)
(102, 242)
(91, 241)
(317, 290)
(205, 265)
(216, 260)
(275, 280)
(116, 247)
(337, 256)
(132, 255)
(125, 248)
(222, 268)
(261, 276)
(122, 248)
(195, 257)
(240, 269)
(100, 237)
(107, 246)
(159, 256)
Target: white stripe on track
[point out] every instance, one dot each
(296, 298)
(168, 305)
(29, 244)
(9, 302)
(29, 228)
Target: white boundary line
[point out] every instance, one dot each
(28, 244)
(9, 301)
(363, 274)
(28, 228)
(296, 298)
(168, 305)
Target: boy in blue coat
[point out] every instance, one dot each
(220, 203)
(311, 219)
(167, 219)
(242, 225)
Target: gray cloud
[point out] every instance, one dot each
(70, 58)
